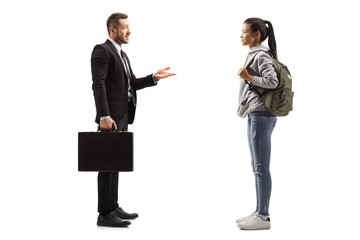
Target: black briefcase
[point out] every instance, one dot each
(105, 151)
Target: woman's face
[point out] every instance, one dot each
(248, 37)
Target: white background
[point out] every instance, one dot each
(192, 175)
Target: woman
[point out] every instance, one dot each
(258, 75)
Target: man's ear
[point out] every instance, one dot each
(113, 30)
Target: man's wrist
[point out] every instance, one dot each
(154, 78)
(104, 117)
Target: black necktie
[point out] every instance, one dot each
(127, 71)
(125, 64)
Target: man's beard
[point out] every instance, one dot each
(119, 39)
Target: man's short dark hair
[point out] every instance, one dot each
(113, 20)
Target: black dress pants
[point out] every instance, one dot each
(108, 182)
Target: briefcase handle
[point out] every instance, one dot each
(112, 129)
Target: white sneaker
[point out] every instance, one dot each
(257, 222)
(245, 218)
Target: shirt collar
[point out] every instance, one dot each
(116, 45)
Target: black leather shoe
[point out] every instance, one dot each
(124, 215)
(111, 220)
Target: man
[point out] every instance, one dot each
(114, 86)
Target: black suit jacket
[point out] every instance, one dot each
(110, 84)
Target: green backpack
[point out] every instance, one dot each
(278, 101)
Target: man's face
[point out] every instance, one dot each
(122, 34)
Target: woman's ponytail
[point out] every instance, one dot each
(271, 39)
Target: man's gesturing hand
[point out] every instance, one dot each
(163, 74)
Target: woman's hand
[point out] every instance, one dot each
(244, 74)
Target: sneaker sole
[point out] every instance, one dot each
(255, 229)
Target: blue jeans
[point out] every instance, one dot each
(260, 127)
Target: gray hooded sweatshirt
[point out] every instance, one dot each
(264, 78)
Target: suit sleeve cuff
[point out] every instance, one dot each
(154, 79)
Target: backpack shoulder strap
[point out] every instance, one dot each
(251, 87)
